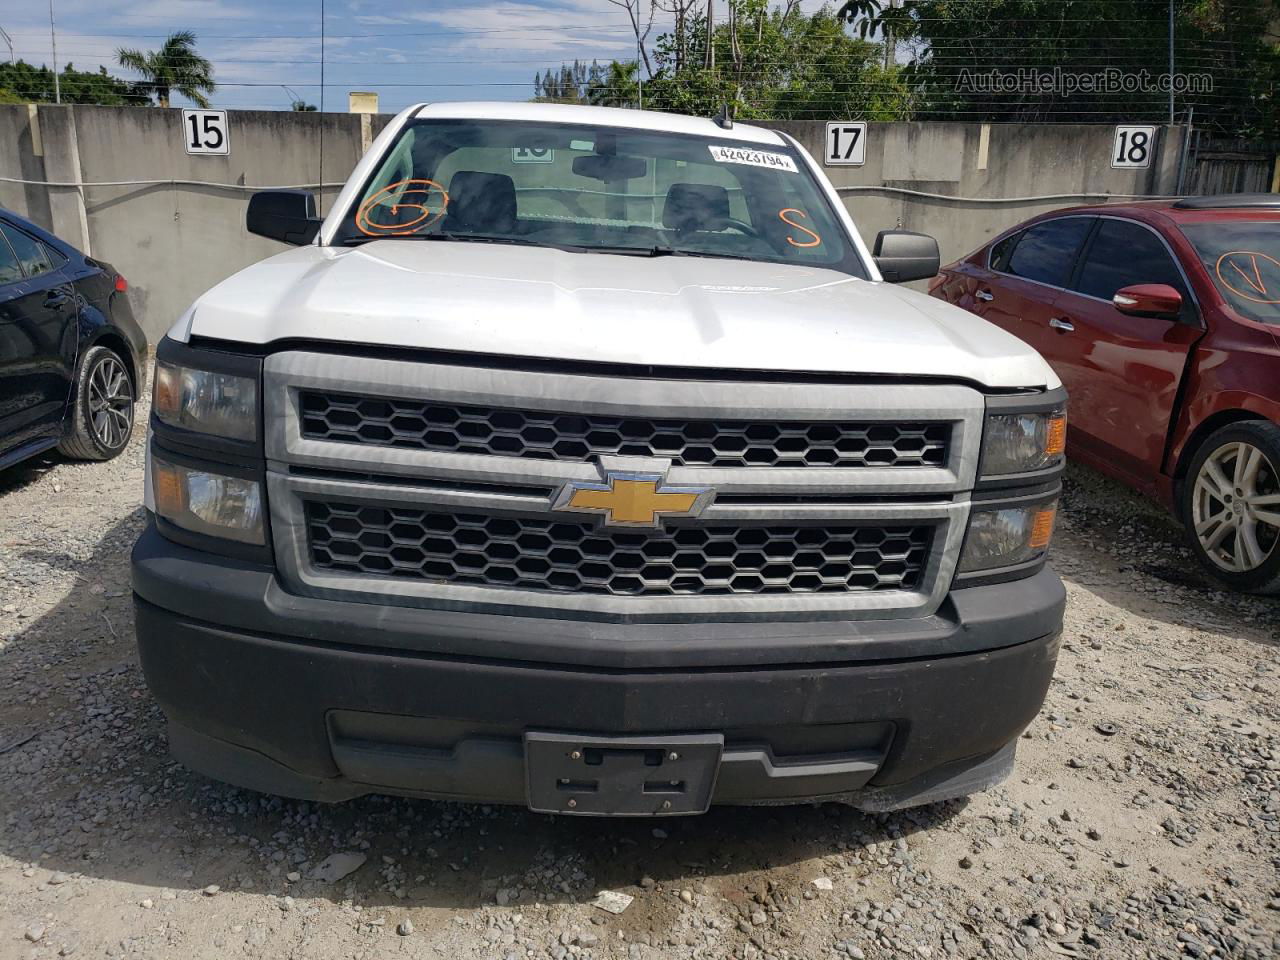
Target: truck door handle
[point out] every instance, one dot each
(56, 298)
(985, 295)
(1063, 324)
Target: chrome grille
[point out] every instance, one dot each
(551, 555)
(577, 437)
(872, 534)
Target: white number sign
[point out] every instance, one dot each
(533, 155)
(1133, 147)
(846, 143)
(205, 131)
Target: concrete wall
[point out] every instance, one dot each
(952, 159)
(173, 241)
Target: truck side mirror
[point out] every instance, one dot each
(1157, 300)
(285, 215)
(902, 255)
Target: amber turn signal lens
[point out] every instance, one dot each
(212, 504)
(1055, 443)
(168, 488)
(1042, 528)
(166, 391)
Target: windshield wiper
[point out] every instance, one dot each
(654, 250)
(658, 250)
(464, 237)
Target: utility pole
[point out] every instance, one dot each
(53, 34)
(9, 42)
(320, 174)
(639, 72)
(709, 60)
(891, 46)
(1171, 63)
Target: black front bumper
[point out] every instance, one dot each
(329, 700)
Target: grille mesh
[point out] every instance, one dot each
(571, 437)
(553, 555)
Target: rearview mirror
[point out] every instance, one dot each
(902, 255)
(285, 215)
(609, 167)
(1157, 300)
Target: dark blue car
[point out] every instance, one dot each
(71, 353)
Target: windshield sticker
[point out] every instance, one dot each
(1253, 276)
(782, 215)
(384, 213)
(754, 158)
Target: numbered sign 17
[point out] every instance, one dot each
(205, 131)
(846, 143)
(1133, 147)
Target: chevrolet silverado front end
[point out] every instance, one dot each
(622, 497)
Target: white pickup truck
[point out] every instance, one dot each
(586, 459)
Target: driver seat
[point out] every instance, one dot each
(691, 207)
(481, 203)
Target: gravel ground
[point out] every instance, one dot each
(1141, 820)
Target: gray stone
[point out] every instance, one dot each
(336, 866)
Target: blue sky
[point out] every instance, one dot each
(406, 51)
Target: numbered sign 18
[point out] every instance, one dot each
(1133, 146)
(205, 131)
(846, 143)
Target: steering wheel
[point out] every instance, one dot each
(742, 227)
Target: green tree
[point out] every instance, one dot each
(569, 84)
(959, 49)
(765, 61)
(615, 86)
(23, 82)
(174, 67)
(776, 63)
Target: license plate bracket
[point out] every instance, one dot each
(621, 776)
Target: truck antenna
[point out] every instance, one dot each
(723, 119)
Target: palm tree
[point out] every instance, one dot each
(175, 66)
(617, 87)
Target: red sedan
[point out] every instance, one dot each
(1163, 320)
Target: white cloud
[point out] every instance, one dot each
(568, 27)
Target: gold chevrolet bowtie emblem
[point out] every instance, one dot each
(632, 499)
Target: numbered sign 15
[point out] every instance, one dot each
(1133, 146)
(205, 131)
(846, 143)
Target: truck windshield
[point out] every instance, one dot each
(599, 189)
(1243, 259)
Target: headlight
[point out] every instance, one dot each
(206, 402)
(1007, 536)
(1023, 442)
(209, 503)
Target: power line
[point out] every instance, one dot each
(456, 31)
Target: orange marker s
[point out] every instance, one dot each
(782, 215)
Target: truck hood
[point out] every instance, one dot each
(661, 311)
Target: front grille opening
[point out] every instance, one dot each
(575, 438)
(424, 545)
